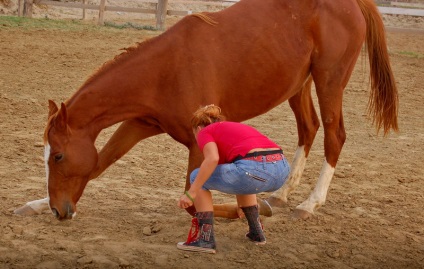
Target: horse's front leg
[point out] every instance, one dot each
(307, 127)
(128, 134)
(35, 207)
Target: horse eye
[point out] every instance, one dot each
(58, 157)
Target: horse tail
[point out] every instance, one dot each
(383, 100)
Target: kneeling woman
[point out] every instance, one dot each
(237, 160)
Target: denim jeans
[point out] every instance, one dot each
(247, 177)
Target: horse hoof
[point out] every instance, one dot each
(25, 210)
(265, 208)
(301, 214)
(273, 201)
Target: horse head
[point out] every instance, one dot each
(70, 157)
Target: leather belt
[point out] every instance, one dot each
(270, 156)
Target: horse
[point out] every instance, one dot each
(247, 59)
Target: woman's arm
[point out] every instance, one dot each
(210, 162)
(211, 159)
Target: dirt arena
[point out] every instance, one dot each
(128, 218)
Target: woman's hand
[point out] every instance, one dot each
(210, 162)
(185, 201)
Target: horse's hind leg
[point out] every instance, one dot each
(307, 127)
(330, 83)
(334, 138)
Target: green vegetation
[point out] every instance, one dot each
(28, 23)
(130, 25)
(66, 25)
(412, 54)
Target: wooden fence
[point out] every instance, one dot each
(401, 8)
(160, 8)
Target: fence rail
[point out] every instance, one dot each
(402, 11)
(410, 5)
(160, 8)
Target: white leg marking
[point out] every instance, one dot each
(319, 194)
(42, 204)
(297, 167)
(39, 205)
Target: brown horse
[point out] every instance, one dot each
(247, 59)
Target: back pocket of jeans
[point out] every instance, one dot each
(255, 177)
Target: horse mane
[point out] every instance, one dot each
(127, 52)
(204, 16)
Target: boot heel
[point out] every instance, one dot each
(254, 240)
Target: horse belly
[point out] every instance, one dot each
(264, 63)
(264, 78)
(255, 57)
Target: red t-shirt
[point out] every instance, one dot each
(233, 139)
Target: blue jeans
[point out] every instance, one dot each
(247, 177)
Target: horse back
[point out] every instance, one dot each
(255, 52)
(247, 58)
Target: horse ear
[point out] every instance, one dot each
(52, 108)
(61, 120)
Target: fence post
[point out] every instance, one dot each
(161, 14)
(28, 8)
(20, 6)
(83, 10)
(102, 12)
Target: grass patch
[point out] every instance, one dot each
(32, 23)
(130, 25)
(411, 54)
(7, 22)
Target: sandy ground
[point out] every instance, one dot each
(373, 217)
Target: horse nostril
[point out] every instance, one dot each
(55, 213)
(67, 212)
(70, 212)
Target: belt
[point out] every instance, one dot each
(270, 156)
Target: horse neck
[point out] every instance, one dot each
(115, 93)
(96, 113)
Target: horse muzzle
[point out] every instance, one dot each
(66, 213)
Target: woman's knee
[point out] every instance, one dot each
(193, 175)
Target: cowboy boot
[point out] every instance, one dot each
(256, 233)
(201, 237)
